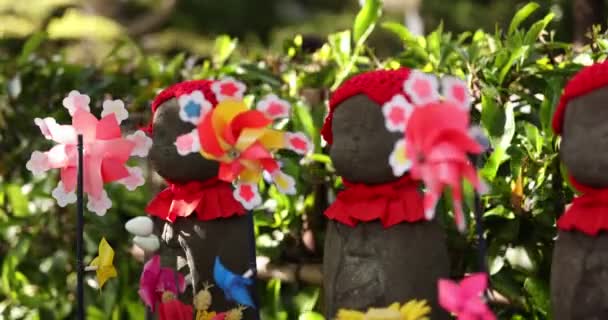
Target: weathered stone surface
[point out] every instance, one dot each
(579, 276)
(163, 155)
(369, 266)
(362, 144)
(188, 244)
(584, 146)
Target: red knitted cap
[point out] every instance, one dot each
(380, 86)
(588, 79)
(179, 89)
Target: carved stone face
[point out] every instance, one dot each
(361, 143)
(163, 155)
(584, 147)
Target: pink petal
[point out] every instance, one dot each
(64, 134)
(93, 181)
(112, 170)
(85, 124)
(450, 296)
(166, 281)
(68, 178)
(58, 156)
(474, 285)
(108, 128)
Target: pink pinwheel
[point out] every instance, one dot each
(105, 152)
(465, 300)
(155, 281)
(437, 141)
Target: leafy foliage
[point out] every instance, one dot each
(516, 78)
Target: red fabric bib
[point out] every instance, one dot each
(211, 199)
(392, 203)
(588, 212)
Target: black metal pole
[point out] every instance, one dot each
(253, 264)
(79, 233)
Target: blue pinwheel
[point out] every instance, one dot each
(235, 286)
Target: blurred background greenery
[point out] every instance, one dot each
(516, 57)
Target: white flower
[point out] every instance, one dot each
(248, 195)
(143, 143)
(38, 163)
(274, 107)
(193, 107)
(456, 91)
(396, 113)
(134, 180)
(228, 88)
(421, 88)
(99, 206)
(285, 183)
(298, 142)
(398, 159)
(117, 107)
(53, 131)
(63, 198)
(188, 143)
(75, 101)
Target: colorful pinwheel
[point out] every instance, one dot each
(155, 281)
(103, 263)
(412, 310)
(172, 309)
(465, 300)
(438, 138)
(240, 139)
(106, 152)
(235, 286)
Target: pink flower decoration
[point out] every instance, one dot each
(155, 280)
(274, 107)
(117, 107)
(396, 113)
(298, 142)
(248, 195)
(456, 91)
(105, 152)
(143, 143)
(193, 107)
(228, 88)
(465, 300)
(76, 101)
(421, 88)
(188, 143)
(439, 144)
(134, 180)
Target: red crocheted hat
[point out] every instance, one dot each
(179, 89)
(380, 86)
(586, 80)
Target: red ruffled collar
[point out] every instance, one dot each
(588, 212)
(211, 199)
(391, 203)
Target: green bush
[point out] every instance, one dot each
(516, 76)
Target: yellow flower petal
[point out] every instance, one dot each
(106, 253)
(248, 137)
(273, 139)
(223, 113)
(105, 273)
(252, 172)
(382, 314)
(345, 314)
(415, 310)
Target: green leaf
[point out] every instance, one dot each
(366, 20)
(400, 30)
(539, 291)
(311, 316)
(31, 45)
(537, 28)
(492, 115)
(17, 200)
(521, 15)
(516, 54)
(223, 48)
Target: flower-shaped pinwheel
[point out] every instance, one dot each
(105, 152)
(155, 281)
(103, 263)
(172, 309)
(465, 300)
(240, 139)
(438, 138)
(412, 310)
(233, 285)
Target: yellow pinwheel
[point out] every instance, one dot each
(103, 263)
(412, 310)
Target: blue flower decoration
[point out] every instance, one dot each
(192, 109)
